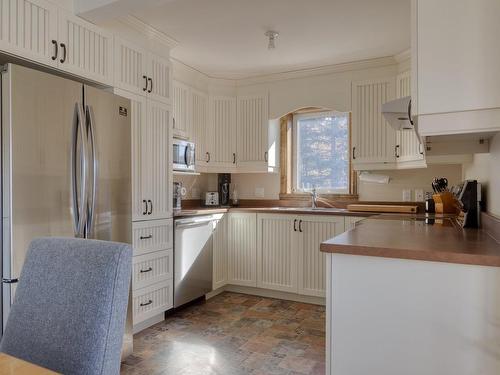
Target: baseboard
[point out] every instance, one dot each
(267, 293)
(148, 323)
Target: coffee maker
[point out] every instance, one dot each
(224, 180)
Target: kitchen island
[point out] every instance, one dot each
(409, 295)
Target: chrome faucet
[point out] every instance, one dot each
(314, 198)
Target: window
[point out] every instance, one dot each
(321, 152)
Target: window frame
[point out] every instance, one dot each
(295, 160)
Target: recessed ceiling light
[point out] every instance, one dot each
(272, 35)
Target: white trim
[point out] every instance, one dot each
(149, 31)
(295, 165)
(148, 323)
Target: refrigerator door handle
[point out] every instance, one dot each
(93, 167)
(79, 157)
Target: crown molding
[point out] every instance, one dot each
(403, 56)
(322, 70)
(149, 31)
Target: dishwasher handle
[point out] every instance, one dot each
(192, 224)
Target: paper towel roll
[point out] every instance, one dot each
(374, 178)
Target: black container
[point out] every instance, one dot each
(224, 181)
(430, 207)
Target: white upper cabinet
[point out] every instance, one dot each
(253, 127)
(159, 73)
(409, 148)
(199, 120)
(141, 72)
(181, 105)
(28, 28)
(130, 67)
(373, 139)
(85, 49)
(455, 60)
(221, 152)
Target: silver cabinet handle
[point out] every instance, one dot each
(146, 237)
(147, 270)
(147, 303)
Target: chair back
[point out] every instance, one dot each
(70, 306)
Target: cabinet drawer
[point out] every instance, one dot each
(150, 236)
(152, 268)
(152, 300)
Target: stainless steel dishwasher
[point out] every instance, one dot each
(193, 256)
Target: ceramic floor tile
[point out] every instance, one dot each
(233, 334)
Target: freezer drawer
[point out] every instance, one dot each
(151, 236)
(152, 300)
(152, 268)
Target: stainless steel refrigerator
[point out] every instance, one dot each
(66, 166)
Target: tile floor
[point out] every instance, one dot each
(234, 334)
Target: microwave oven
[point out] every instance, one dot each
(184, 156)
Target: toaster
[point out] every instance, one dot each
(211, 198)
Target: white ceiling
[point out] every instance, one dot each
(225, 38)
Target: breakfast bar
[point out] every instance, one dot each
(409, 295)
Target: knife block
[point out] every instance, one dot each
(445, 203)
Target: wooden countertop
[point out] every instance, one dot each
(411, 238)
(274, 210)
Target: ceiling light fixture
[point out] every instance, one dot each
(272, 35)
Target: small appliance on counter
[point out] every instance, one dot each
(469, 198)
(224, 180)
(183, 156)
(177, 194)
(211, 198)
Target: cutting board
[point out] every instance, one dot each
(382, 208)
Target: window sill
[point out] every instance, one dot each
(329, 197)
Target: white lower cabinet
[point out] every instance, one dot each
(152, 269)
(220, 252)
(350, 222)
(152, 300)
(277, 252)
(242, 249)
(312, 230)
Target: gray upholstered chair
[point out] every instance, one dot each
(70, 306)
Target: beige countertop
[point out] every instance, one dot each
(441, 240)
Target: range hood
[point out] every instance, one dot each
(398, 113)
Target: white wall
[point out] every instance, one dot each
(408, 179)
(486, 169)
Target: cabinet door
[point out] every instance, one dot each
(276, 253)
(409, 146)
(312, 262)
(223, 125)
(130, 67)
(138, 119)
(85, 49)
(242, 249)
(199, 121)
(160, 73)
(252, 135)
(158, 153)
(27, 29)
(220, 242)
(373, 139)
(182, 110)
